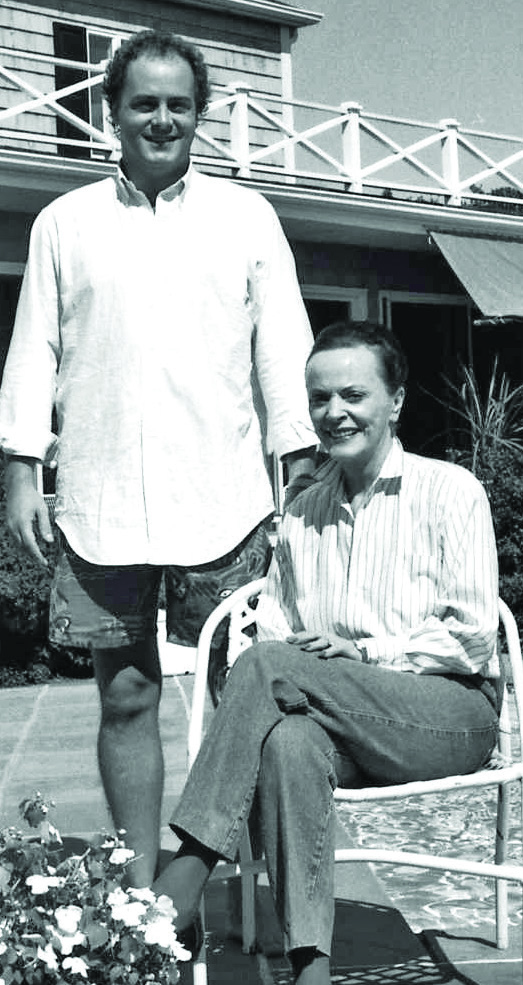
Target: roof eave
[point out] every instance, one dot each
(318, 215)
(281, 13)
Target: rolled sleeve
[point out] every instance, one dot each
(29, 381)
(283, 341)
(460, 636)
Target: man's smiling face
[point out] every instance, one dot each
(157, 118)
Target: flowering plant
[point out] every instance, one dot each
(67, 918)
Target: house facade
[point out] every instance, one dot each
(378, 210)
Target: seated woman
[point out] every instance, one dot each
(376, 655)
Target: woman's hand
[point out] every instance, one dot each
(325, 647)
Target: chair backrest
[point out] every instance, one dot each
(514, 673)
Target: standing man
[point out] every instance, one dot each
(154, 306)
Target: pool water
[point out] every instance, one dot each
(452, 824)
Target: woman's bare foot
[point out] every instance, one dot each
(184, 879)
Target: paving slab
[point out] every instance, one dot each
(48, 742)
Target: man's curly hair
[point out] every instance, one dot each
(155, 44)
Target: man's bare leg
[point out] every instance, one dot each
(129, 749)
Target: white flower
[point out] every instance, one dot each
(48, 956)
(66, 942)
(68, 918)
(5, 875)
(68, 936)
(180, 952)
(160, 931)
(3, 947)
(165, 906)
(129, 913)
(76, 965)
(144, 894)
(41, 884)
(120, 855)
(117, 897)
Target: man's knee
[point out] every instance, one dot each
(128, 686)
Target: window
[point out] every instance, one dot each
(329, 304)
(79, 44)
(435, 334)
(9, 290)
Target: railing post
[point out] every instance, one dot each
(351, 147)
(239, 123)
(287, 110)
(450, 160)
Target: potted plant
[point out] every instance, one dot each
(66, 916)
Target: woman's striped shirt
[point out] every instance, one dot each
(413, 573)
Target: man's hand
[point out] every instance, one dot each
(26, 509)
(325, 646)
(300, 472)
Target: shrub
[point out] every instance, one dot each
(489, 441)
(501, 473)
(26, 656)
(488, 423)
(502, 476)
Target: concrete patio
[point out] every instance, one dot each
(47, 743)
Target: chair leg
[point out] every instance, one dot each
(248, 884)
(199, 971)
(502, 828)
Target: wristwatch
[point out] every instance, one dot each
(364, 653)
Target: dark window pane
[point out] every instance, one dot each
(70, 42)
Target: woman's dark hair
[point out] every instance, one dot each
(349, 334)
(155, 44)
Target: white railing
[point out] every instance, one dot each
(253, 135)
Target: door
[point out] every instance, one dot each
(435, 339)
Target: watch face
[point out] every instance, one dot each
(364, 653)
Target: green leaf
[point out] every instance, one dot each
(96, 934)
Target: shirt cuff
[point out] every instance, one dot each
(301, 453)
(41, 447)
(388, 650)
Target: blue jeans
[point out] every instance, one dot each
(294, 727)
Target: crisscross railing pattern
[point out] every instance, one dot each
(254, 135)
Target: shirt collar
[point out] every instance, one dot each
(388, 481)
(129, 194)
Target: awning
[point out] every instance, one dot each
(490, 269)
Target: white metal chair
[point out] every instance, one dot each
(505, 769)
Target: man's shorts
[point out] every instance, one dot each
(99, 606)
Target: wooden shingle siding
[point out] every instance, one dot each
(31, 32)
(132, 15)
(236, 49)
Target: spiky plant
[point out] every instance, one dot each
(492, 422)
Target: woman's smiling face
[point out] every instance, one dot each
(352, 408)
